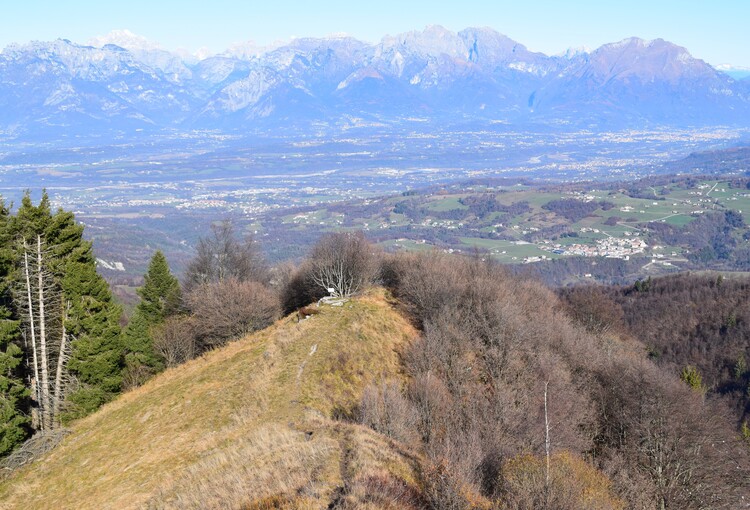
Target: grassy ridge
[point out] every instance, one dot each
(237, 426)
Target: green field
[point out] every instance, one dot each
(439, 219)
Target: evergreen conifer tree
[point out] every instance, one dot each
(82, 353)
(160, 298)
(14, 422)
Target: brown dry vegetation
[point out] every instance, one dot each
(247, 426)
(507, 398)
(492, 346)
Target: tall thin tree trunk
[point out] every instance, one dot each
(43, 338)
(35, 385)
(57, 399)
(546, 430)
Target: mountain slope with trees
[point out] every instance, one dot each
(250, 423)
(461, 386)
(424, 380)
(695, 323)
(60, 330)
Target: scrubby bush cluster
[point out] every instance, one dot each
(512, 396)
(229, 291)
(227, 294)
(622, 431)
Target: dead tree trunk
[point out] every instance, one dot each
(45, 393)
(39, 291)
(61, 362)
(546, 430)
(32, 329)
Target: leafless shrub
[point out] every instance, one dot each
(570, 484)
(382, 490)
(384, 409)
(135, 373)
(230, 309)
(174, 340)
(443, 489)
(672, 436)
(281, 274)
(490, 340)
(593, 309)
(425, 283)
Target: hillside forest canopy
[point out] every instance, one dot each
(514, 395)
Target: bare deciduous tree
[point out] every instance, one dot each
(343, 263)
(222, 256)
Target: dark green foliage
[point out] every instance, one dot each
(642, 285)
(740, 367)
(692, 378)
(710, 238)
(97, 354)
(160, 294)
(79, 298)
(14, 424)
(160, 298)
(575, 210)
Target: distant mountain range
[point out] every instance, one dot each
(123, 83)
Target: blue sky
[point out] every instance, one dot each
(716, 31)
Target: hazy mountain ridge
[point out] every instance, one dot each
(475, 74)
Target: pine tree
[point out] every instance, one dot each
(160, 294)
(69, 314)
(692, 377)
(93, 322)
(160, 298)
(14, 422)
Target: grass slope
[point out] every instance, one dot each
(246, 426)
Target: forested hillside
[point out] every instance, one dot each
(407, 380)
(689, 322)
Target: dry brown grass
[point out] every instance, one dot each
(232, 428)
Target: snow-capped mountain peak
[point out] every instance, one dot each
(123, 79)
(574, 52)
(124, 39)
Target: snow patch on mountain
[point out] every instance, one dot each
(111, 265)
(249, 50)
(575, 52)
